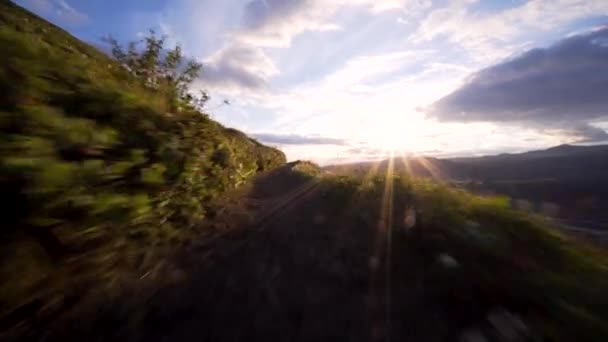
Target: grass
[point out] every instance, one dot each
(505, 259)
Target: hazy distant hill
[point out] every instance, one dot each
(564, 162)
(570, 180)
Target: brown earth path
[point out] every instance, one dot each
(289, 264)
(294, 260)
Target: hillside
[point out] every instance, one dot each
(309, 256)
(129, 220)
(566, 182)
(94, 167)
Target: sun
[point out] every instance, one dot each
(399, 133)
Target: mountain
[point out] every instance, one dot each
(567, 182)
(556, 151)
(564, 162)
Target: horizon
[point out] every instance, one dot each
(409, 156)
(338, 81)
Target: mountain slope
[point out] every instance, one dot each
(317, 257)
(94, 165)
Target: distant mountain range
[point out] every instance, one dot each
(563, 162)
(572, 180)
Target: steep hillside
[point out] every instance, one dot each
(93, 166)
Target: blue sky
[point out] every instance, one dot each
(345, 80)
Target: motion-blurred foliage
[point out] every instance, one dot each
(502, 257)
(90, 157)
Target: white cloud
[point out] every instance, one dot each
(240, 62)
(68, 14)
(367, 68)
(495, 35)
(364, 97)
(274, 23)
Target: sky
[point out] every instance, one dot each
(338, 81)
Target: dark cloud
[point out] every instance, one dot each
(224, 75)
(586, 133)
(293, 139)
(562, 87)
(238, 66)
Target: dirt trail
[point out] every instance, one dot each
(295, 274)
(290, 259)
(289, 264)
(311, 267)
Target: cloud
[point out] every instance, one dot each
(366, 97)
(560, 88)
(59, 10)
(238, 66)
(374, 68)
(293, 139)
(488, 36)
(582, 132)
(365, 153)
(68, 14)
(274, 23)
(235, 57)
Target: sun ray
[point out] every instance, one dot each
(406, 164)
(436, 173)
(387, 212)
(373, 170)
(381, 295)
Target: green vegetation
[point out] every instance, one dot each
(160, 70)
(306, 168)
(503, 258)
(102, 162)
